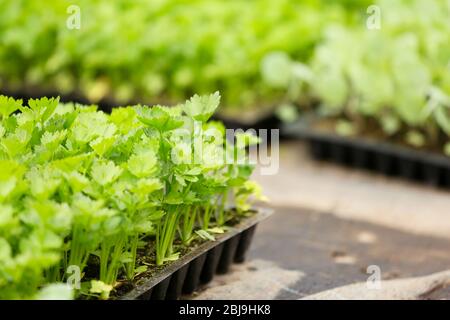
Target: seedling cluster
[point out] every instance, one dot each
(89, 191)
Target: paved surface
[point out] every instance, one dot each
(356, 194)
(330, 225)
(433, 286)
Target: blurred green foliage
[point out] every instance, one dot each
(396, 75)
(160, 50)
(259, 54)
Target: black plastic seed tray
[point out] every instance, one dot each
(268, 121)
(199, 266)
(386, 158)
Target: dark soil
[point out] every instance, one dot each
(146, 256)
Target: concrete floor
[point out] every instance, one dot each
(330, 224)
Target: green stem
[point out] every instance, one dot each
(114, 266)
(53, 274)
(105, 249)
(206, 216)
(110, 253)
(78, 253)
(166, 236)
(221, 217)
(131, 266)
(188, 224)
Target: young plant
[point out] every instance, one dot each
(81, 189)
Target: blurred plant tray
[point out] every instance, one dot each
(379, 156)
(199, 266)
(250, 119)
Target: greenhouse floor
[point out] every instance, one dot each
(330, 225)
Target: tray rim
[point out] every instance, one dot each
(303, 129)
